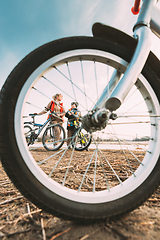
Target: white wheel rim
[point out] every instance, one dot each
(97, 196)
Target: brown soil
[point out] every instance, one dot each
(20, 219)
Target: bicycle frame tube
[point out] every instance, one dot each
(37, 125)
(142, 32)
(46, 122)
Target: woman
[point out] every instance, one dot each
(55, 106)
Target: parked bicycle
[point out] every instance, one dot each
(81, 139)
(53, 137)
(115, 78)
(31, 126)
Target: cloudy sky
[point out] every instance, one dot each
(25, 25)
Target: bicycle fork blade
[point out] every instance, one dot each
(133, 70)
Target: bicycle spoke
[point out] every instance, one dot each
(131, 94)
(105, 176)
(58, 87)
(116, 123)
(96, 79)
(111, 167)
(53, 155)
(57, 163)
(71, 81)
(31, 104)
(122, 144)
(84, 84)
(86, 171)
(41, 93)
(136, 105)
(68, 168)
(75, 85)
(95, 169)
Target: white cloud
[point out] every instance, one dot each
(84, 14)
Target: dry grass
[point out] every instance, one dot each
(20, 219)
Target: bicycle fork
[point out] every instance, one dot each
(143, 34)
(119, 88)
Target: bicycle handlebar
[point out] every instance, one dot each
(32, 114)
(136, 8)
(53, 114)
(76, 117)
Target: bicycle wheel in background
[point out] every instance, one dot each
(27, 132)
(53, 137)
(81, 139)
(121, 170)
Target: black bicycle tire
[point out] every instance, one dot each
(62, 141)
(26, 125)
(18, 171)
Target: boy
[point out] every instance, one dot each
(73, 115)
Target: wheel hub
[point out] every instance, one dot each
(95, 120)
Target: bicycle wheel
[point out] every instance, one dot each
(81, 139)
(27, 132)
(121, 170)
(53, 137)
